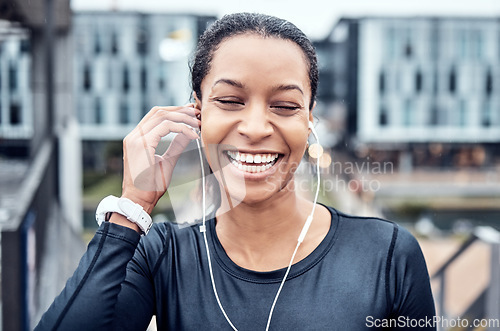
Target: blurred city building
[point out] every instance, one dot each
(125, 63)
(422, 94)
(415, 107)
(407, 81)
(16, 121)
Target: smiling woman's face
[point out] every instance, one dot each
(255, 115)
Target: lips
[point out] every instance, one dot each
(252, 162)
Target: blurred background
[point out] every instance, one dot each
(408, 115)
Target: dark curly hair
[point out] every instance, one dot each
(240, 23)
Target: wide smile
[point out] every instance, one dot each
(252, 163)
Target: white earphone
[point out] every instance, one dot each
(301, 238)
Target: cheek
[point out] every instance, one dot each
(296, 135)
(213, 130)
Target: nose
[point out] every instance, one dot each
(255, 124)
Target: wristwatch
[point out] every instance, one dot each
(123, 206)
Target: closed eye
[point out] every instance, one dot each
(287, 107)
(228, 102)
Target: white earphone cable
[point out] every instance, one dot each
(203, 229)
(302, 235)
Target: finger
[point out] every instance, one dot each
(187, 118)
(154, 136)
(172, 154)
(157, 109)
(177, 146)
(157, 176)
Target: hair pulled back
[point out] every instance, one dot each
(262, 25)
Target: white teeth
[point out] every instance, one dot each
(253, 158)
(264, 161)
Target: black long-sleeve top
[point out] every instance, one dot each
(366, 273)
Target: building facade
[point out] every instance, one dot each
(125, 63)
(419, 82)
(16, 120)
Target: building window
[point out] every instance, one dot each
(144, 79)
(145, 107)
(383, 120)
(418, 81)
(24, 46)
(98, 110)
(452, 82)
(381, 82)
(486, 114)
(408, 113)
(408, 50)
(114, 43)
(15, 113)
(87, 81)
(125, 79)
(124, 115)
(435, 82)
(110, 77)
(12, 77)
(97, 43)
(489, 83)
(142, 42)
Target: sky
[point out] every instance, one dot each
(315, 17)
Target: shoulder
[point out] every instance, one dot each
(377, 231)
(372, 229)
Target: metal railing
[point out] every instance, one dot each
(491, 295)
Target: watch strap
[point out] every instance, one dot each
(123, 206)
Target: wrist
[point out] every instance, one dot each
(123, 221)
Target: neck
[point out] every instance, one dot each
(249, 231)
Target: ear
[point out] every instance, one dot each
(311, 118)
(197, 101)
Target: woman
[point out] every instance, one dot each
(254, 80)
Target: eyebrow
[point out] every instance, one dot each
(283, 87)
(288, 88)
(229, 82)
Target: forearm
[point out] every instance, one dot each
(89, 297)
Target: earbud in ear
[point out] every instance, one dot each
(311, 125)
